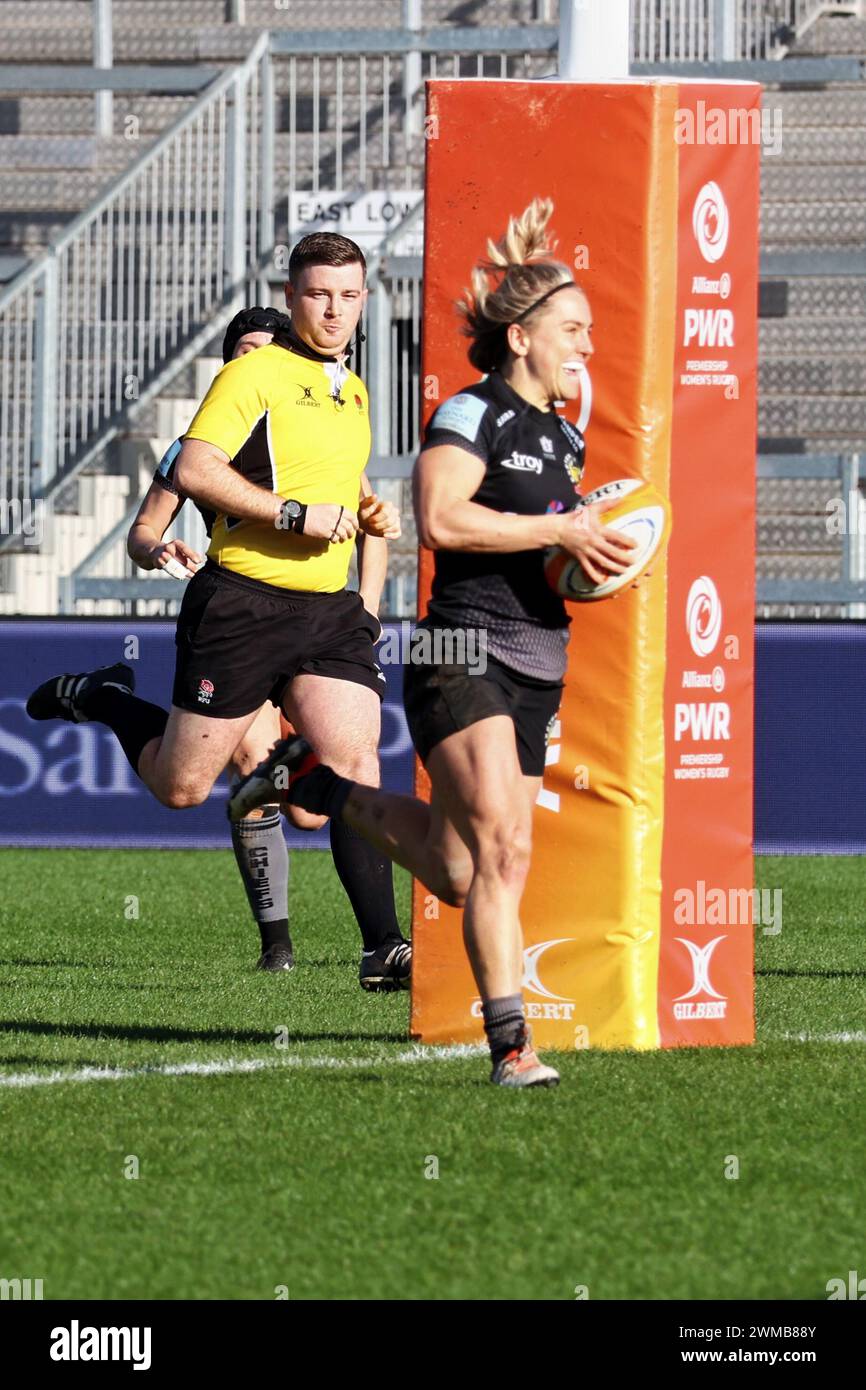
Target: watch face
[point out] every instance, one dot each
(293, 509)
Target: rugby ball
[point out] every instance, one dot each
(642, 513)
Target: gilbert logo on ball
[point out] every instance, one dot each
(642, 513)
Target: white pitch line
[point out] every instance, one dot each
(231, 1066)
(816, 1037)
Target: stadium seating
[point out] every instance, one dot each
(812, 379)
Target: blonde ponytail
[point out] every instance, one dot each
(528, 274)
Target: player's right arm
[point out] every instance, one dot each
(162, 503)
(445, 479)
(144, 542)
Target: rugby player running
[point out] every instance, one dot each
(258, 841)
(276, 451)
(495, 485)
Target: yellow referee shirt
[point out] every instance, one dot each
(298, 427)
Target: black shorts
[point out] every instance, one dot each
(239, 642)
(440, 700)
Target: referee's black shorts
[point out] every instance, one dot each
(239, 642)
(441, 700)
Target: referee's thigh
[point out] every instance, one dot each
(341, 720)
(193, 752)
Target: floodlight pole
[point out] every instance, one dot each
(594, 40)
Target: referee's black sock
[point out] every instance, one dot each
(135, 722)
(368, 878)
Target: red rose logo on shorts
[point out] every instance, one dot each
(205, 691)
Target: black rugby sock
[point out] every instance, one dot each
(368, 878)
(134, 722)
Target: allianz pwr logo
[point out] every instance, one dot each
(689, 1005)
(712, 328)
(552, 1006)
(704, 721)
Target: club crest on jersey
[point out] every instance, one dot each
(523, 463)
(205, 691)
(358, 402)
(307, 397)
(573, 469)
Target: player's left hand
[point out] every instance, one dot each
(379, 518)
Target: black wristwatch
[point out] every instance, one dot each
(293, 515)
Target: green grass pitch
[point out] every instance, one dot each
(306, 1172)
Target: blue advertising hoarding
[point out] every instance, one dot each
(70, 784)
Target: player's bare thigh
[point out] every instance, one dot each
(190, 756)
(481, 796)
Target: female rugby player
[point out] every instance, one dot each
(258, 840)
(495, 485)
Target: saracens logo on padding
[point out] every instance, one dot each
(205, 691)
(689, 1005)
(711, 223)
(703, 616)
(555, 1006)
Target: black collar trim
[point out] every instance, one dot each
(287, 338)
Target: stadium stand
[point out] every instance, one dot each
(341, 122)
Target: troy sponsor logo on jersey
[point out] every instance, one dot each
(547, 1004)
(689, 1005)
(504, 418)
(523, 463)
(205, 691)
(307, 398)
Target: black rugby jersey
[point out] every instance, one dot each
(534, 463)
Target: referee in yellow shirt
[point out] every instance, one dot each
(276, 451)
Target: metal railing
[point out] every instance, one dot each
(354, 100)
(145, 276)
(141, 282)
(696, 31)
(848, 593)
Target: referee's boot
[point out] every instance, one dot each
(271, 780)
(62, 697)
